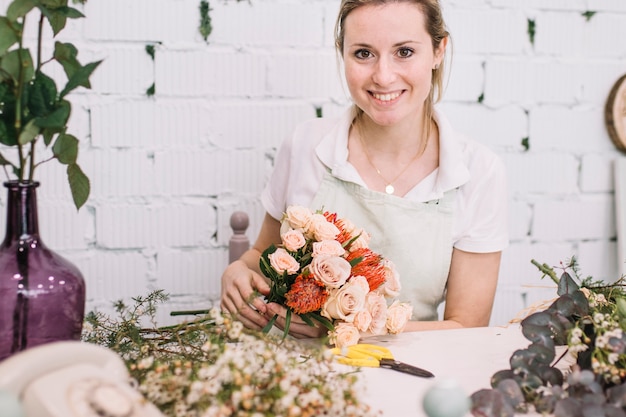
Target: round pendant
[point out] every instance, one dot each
(389, 189)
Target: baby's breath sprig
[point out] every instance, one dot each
(213, 366)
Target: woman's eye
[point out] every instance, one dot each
(405, 52)
(363, 54)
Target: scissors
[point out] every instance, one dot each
(364, 354)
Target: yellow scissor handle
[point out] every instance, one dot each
(361, 355)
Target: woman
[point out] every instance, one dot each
(433, 201)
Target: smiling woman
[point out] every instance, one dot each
(433, 201)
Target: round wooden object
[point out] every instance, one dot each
(615, 114)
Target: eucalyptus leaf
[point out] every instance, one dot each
(65, 149)
(566, 284)
(79, 185)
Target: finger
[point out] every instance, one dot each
(243, 312)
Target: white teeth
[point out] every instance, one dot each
(386, 97)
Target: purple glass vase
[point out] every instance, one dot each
(42, 295)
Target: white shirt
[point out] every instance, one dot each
(319, 145)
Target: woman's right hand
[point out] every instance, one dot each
(242, 295)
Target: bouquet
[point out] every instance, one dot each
(324, 271)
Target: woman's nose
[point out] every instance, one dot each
(384, 71)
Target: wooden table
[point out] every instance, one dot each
(468, 356)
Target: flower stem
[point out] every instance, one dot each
(547, 270)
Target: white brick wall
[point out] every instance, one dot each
(168, 170)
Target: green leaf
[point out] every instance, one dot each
(28, 133)
(20, 8)
(42, 95)
(270, 324)
(79, 185)
(65, 149)
(57, 15)
(287, 324)
(65, 54)
(8, 36)
(55, 120)
(80, 78)
(322, 320)
(14, 60)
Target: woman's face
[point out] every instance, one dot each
(389, 58)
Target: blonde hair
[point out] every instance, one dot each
(435, 26)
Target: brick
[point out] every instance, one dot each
(518, 270)
(577, 219)
(191, 272)
(501, 128)
(313, 75)
(465, 79)
(561, 127)
(596, 175)
(110, 276)
(599, 260)
(257, 124)
(210, 72)
(134, 173)
(546, 173)
(128, 71)
(483, 32)
(143, 21)
(520, 220)
(267, 23)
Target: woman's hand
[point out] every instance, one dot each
(297, 327)
(242, 291)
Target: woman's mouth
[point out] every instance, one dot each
(386, 97)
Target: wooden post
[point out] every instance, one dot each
(239, 242)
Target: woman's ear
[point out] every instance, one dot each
(440, 52)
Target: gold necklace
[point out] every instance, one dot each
(389, 188)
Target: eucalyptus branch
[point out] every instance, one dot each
(547, 270)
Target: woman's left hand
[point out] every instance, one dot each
(297, 328)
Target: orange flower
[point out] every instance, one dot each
(343, 236)
(370, 266)
(306, 295)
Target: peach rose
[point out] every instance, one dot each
(362, 320)
(361, 281)
(298, 217)
(343, 303)
(392, 286)
(321, 229)
(282, 261)
(398, 315)
(344, 335)
(332, 271)
(293, 240)
(328, 247)
(377, 306)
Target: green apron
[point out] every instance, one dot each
(415, 236)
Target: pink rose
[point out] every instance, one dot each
(392, 286)
(282, 261)
(293, 240)
(343, 303)
(377, 306)
(362, 320)
(344, 335)
(361, 281)
(328, 247)
(332, 271)
(398, 315)
(298, 217)
(321, 229)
